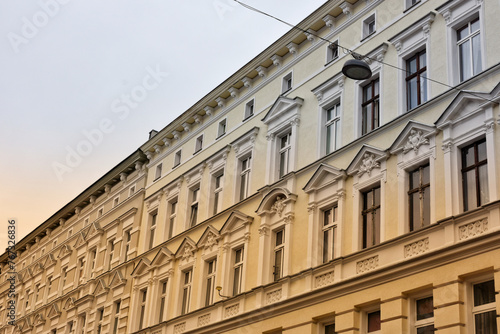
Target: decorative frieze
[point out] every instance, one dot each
(324, 279)
(368, 164)
(415, 140)
(417, 247)
(203, 320)
(180, 328)
(367, 264)
(273, 296)
(473, 229)
(232, 310)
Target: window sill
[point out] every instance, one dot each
(331, 61)
(219, 136)
(247, 117)
(176, 165)
(197, 151)
(368, 36)
(286, 91)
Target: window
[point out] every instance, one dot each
(70, 326)
(163, 299)
(81, 269)
(419, 197)
(64, 275)
(111, 252)
(93, 255)
(128, 238)
(370, 111)
(100, 212)
(86, 222)
(332, 124)
(116, 201)
(199, 144)
(287, 83)
(237, 271)
(49, 285)
(329, 230)
(484, 308)
(371, 217)
(329, 329)
(116, 317)
(37, 292)
(424, 315)
(369, 26)
(171, 220)
(475, 175)
(152, 228)
(222, 128)
(284, 153)
(210, 286)
(373, 321)
(416, 83)
(217, 204)
(332, 51)
(142, 309)
(469, 49)
(186, 291)
(193, 216)
(158, 171)
(131, 191)
(27, 300)
(177, 158)
(100, 316)
(249, 109)
(245, 177)
(411, 3)
(279, 243)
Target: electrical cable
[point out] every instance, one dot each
(349, 51)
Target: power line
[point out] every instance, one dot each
(352, 53)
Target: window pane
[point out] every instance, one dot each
(423, 87)
(412, 93)
(325, 246)
(468, 154)
(486, 323)
(427, 207)
(415, 210)
(474, 26)
(329, 138)
(470, 186)
(464, 54)
(481, 151)
(426, 330)
(476, 54)
(373, 321)
(484, 293)
(463, 32)
(425, 308)
(330, 329)
(411, 66)
(426, 177)
(483, 184)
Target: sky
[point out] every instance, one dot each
(67, 65)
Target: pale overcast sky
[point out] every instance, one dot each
(65, 64)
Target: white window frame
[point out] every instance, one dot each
(143, 299)
(221, 128)
(243, 176)
(158, 171)
(237, 266)
(473, 310)
(116, 314)
(369, 23)
(210, 278)
(243, 148)
(284, 153)
(414, 323)
(278, 251)
(365, 320)
(249, 109)
(152, 226)
(110, 252)
(332, 51)
(163, 299)
(217, 190)
(173, 207)
(331, 231)
(198, 144)
(194, 205)
(177, 158)
(99, 320)
(127, 243)
(185, 291)
(287, 83)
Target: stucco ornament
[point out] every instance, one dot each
(211, 241)
(368, 164)
(188, 252)
(278, 206)
(415, 140)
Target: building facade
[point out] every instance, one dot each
(292, 199)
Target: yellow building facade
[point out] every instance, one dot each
(293, 199)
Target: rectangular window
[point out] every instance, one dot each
(111, 252)
(116, 317)
(64, 275)
(81, 269)
(100, 212)
(171, 220)
(249, 109)
(177, 158)
(424, 315)
(287, 83)
(163, 299)
(193, 216)
(245, 177)
(116, 201)
(93, 256)
(210, 286)
(475, 175)
(284, 153)
(152, 229)
(332, 52)
(222, 128)
(370, 112)
(100, 316)
(411, 3)
(49, 285)
(186, 291)
(373, 321)
(469, 49)
(217, 204)
(416, 83)
(158, 171)
(131, 191)
(332, 124)
(484, 308)
(142, 310)
(330, 329)
(279, 243)
(371, 217)
(128, 238)
(37, 292)
(329, 230)
(369, 26)
(199, 144)
(419, 198)
(237, 271)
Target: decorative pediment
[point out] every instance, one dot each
(186, 250)
(80, 240)
(209, 239)
(275, 201)
(69, 304)
(53, 311)
(141, 268)
(235, 221)
(24, 325)
(64, 251)
(25, 274)
(100, 288)
(117, 280)
(49, 261)
(283, 111)
(38, 319)
(324, 176)
(367, 160)
(164, 256)
(413, 136)
(94, 229)
(37, 268)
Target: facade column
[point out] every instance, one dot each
(347, 322)
(394, 315)
(449, 309)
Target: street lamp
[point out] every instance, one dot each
(356, 68)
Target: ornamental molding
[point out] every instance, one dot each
(324, 279)
(366, 160)
(247, 82)
(273, 296)
(234, 92)
(204, 320)
(209, 239)
(473, 229)
(368, 163)
(278, 206)
(180, 328)
(277, 60)
(416, 248)
(232, 310)
(186, 251)
(415, 140)
(329, 21)
(366, 265)
(262, 71)
(293, 48)
(413, 137)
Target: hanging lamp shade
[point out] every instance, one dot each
(356, 69)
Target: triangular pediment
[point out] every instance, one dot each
(69, 303)
(281, 107)
(366, 160)
(100, 288)
(25, 274)
(164, 256)
(235, 221)
(324, 175)
(80, 240)
(117, 280)
(37, 269)
(24, 324)
(464, 105)
(186, 250)
(94, 229)
(413, 136)
(64, 251)
(53, 311)
(141, 268)
(209, 239)
(38, 319)
(49, 261)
